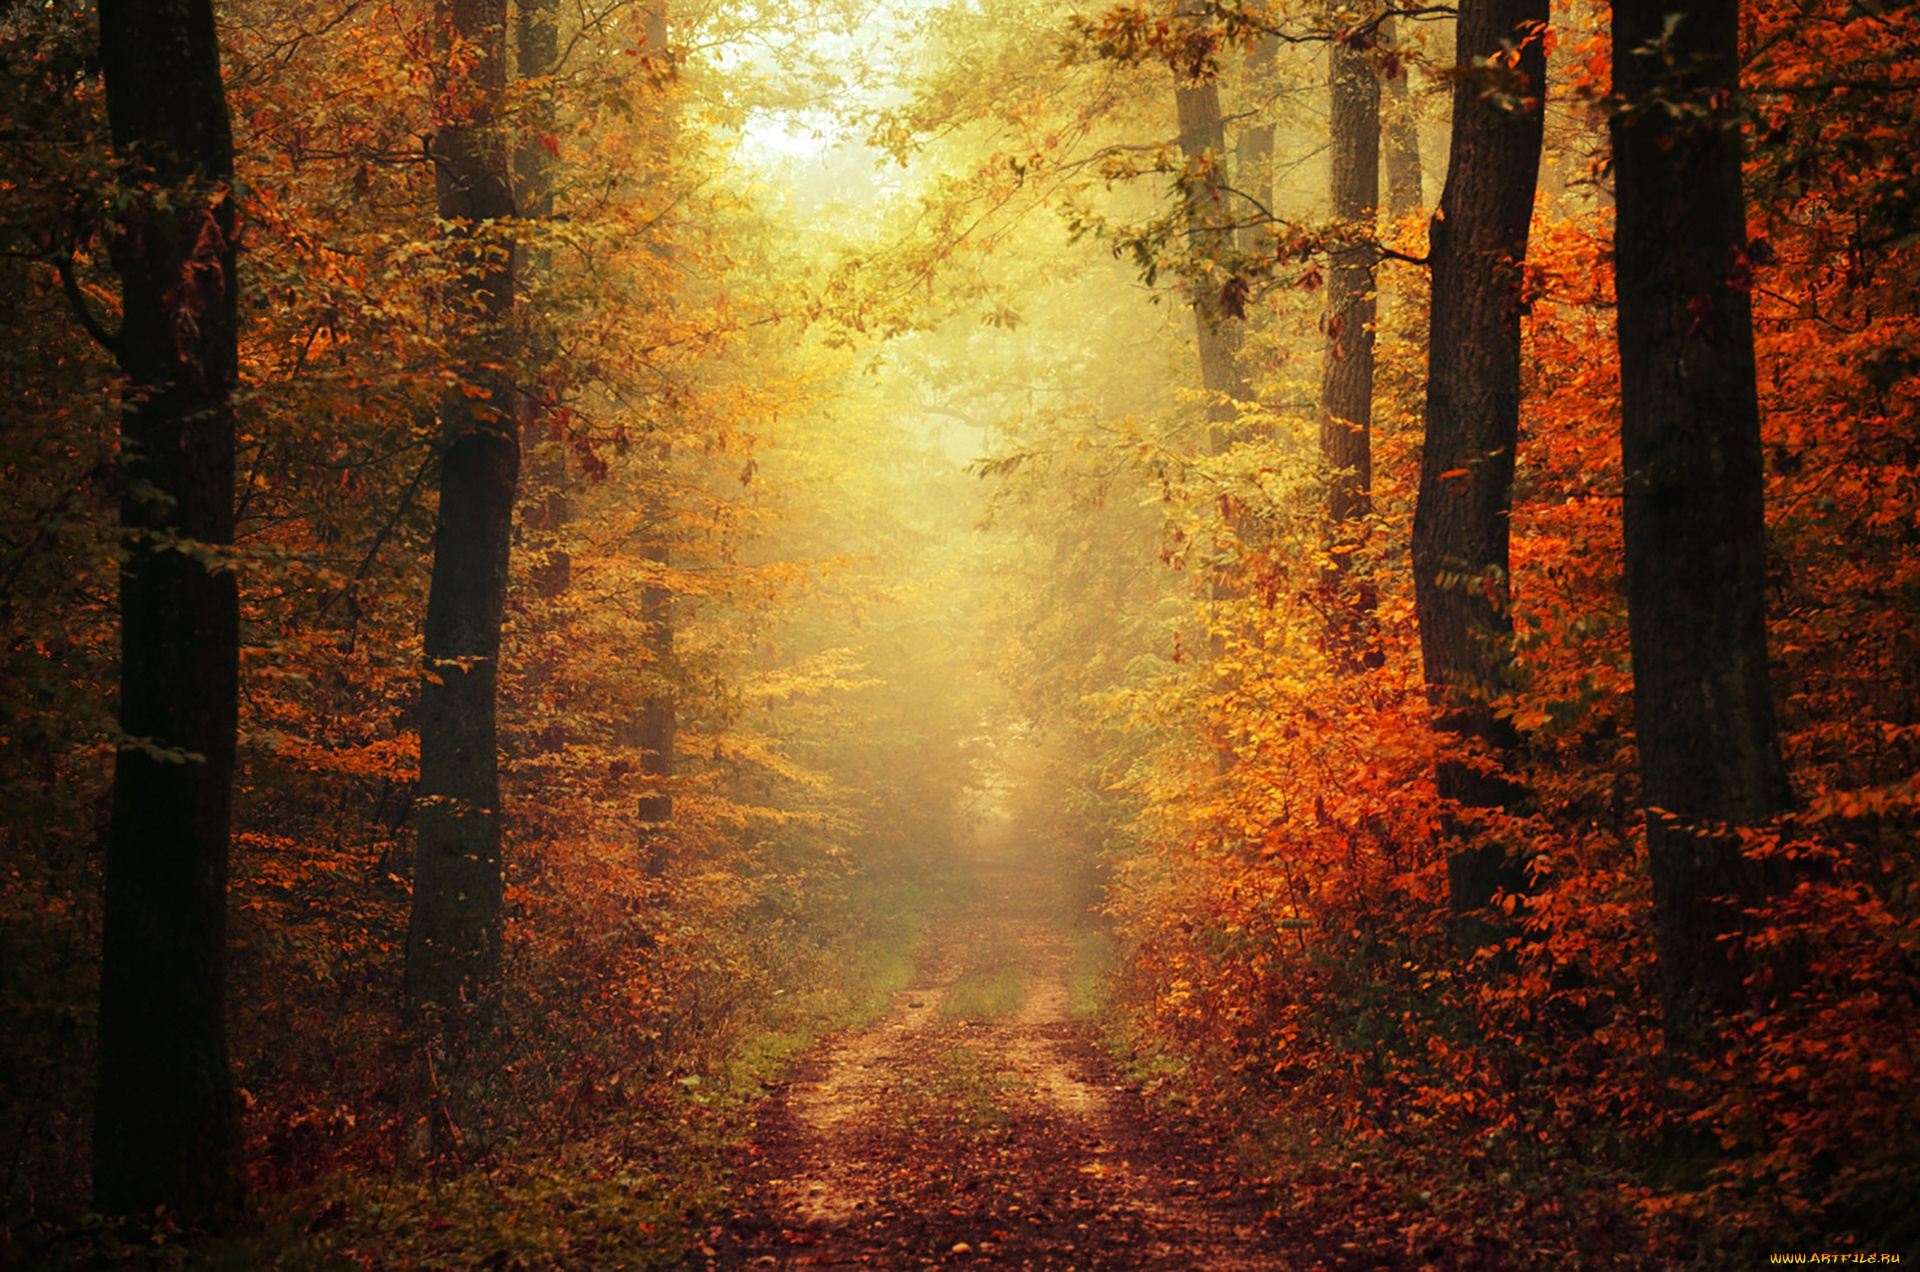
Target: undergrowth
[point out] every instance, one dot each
(585, 1131)
(1090, 977)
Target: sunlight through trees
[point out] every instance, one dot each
(1325, 593)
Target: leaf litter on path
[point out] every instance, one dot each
(933, 1137)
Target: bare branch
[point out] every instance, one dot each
(82, 310)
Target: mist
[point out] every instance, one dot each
(715, 636)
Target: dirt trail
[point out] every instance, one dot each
(999, 1137)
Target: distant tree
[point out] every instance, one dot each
(536, 56)
(453, 936)
(166, 1123)
(658, 723)
(1253, 142)
(658, 720)
(1203, 185)
(1460, 524)
(1695, 533)
(1400, 132)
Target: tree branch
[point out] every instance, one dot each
(82, 311)
(380, 539)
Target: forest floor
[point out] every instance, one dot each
(978, 1120)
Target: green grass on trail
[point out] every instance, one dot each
(967, 1089)
(994, 983)
(954, 1091)
(874, 959)
(1090, 978)
(986, 995)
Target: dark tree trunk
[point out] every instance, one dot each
(1218, 332)
(546, 479)
(1346, 376)
(1400, 138)
(1346, 367)
(536, 54)
(166, 1124)
(1460, 524)
(453, 937)
(1695, 533)
(1203, 141)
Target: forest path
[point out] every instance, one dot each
(976, 1122)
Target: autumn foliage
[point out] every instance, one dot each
(1505, 1073)
(900, 503)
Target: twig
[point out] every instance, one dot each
(379, 540)
(77, 299)
(433, 1077)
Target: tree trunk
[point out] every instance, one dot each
(1460, 525)
(167, 1127)
(659, 721)
(1253, 148)
(1400, 138)
(1346, 367)
(546, 478)
(1203, 142)
(1217, 331)
(1695, 532)
(453, 938)
(1346, 375)
(659, 716)
(536, 55)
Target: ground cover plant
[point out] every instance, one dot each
(1289, 635)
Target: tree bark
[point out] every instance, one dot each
(1695, 530)
(1346, 376)
(546, 479)
(1218, 333)
(1203, 143)
(1400, 138)
(659, 715)
(1460, 525)
(1253, 148)
(1346, 366)
(536, 55)
(453, 937)
(167, 1127)
(659, 721)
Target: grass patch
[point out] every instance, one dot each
(983, 995)
(879, 974)
(1090, 979)
(894, 916)
(970, 1090)
(994, 984)
(860, 967)
(954, 1091)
